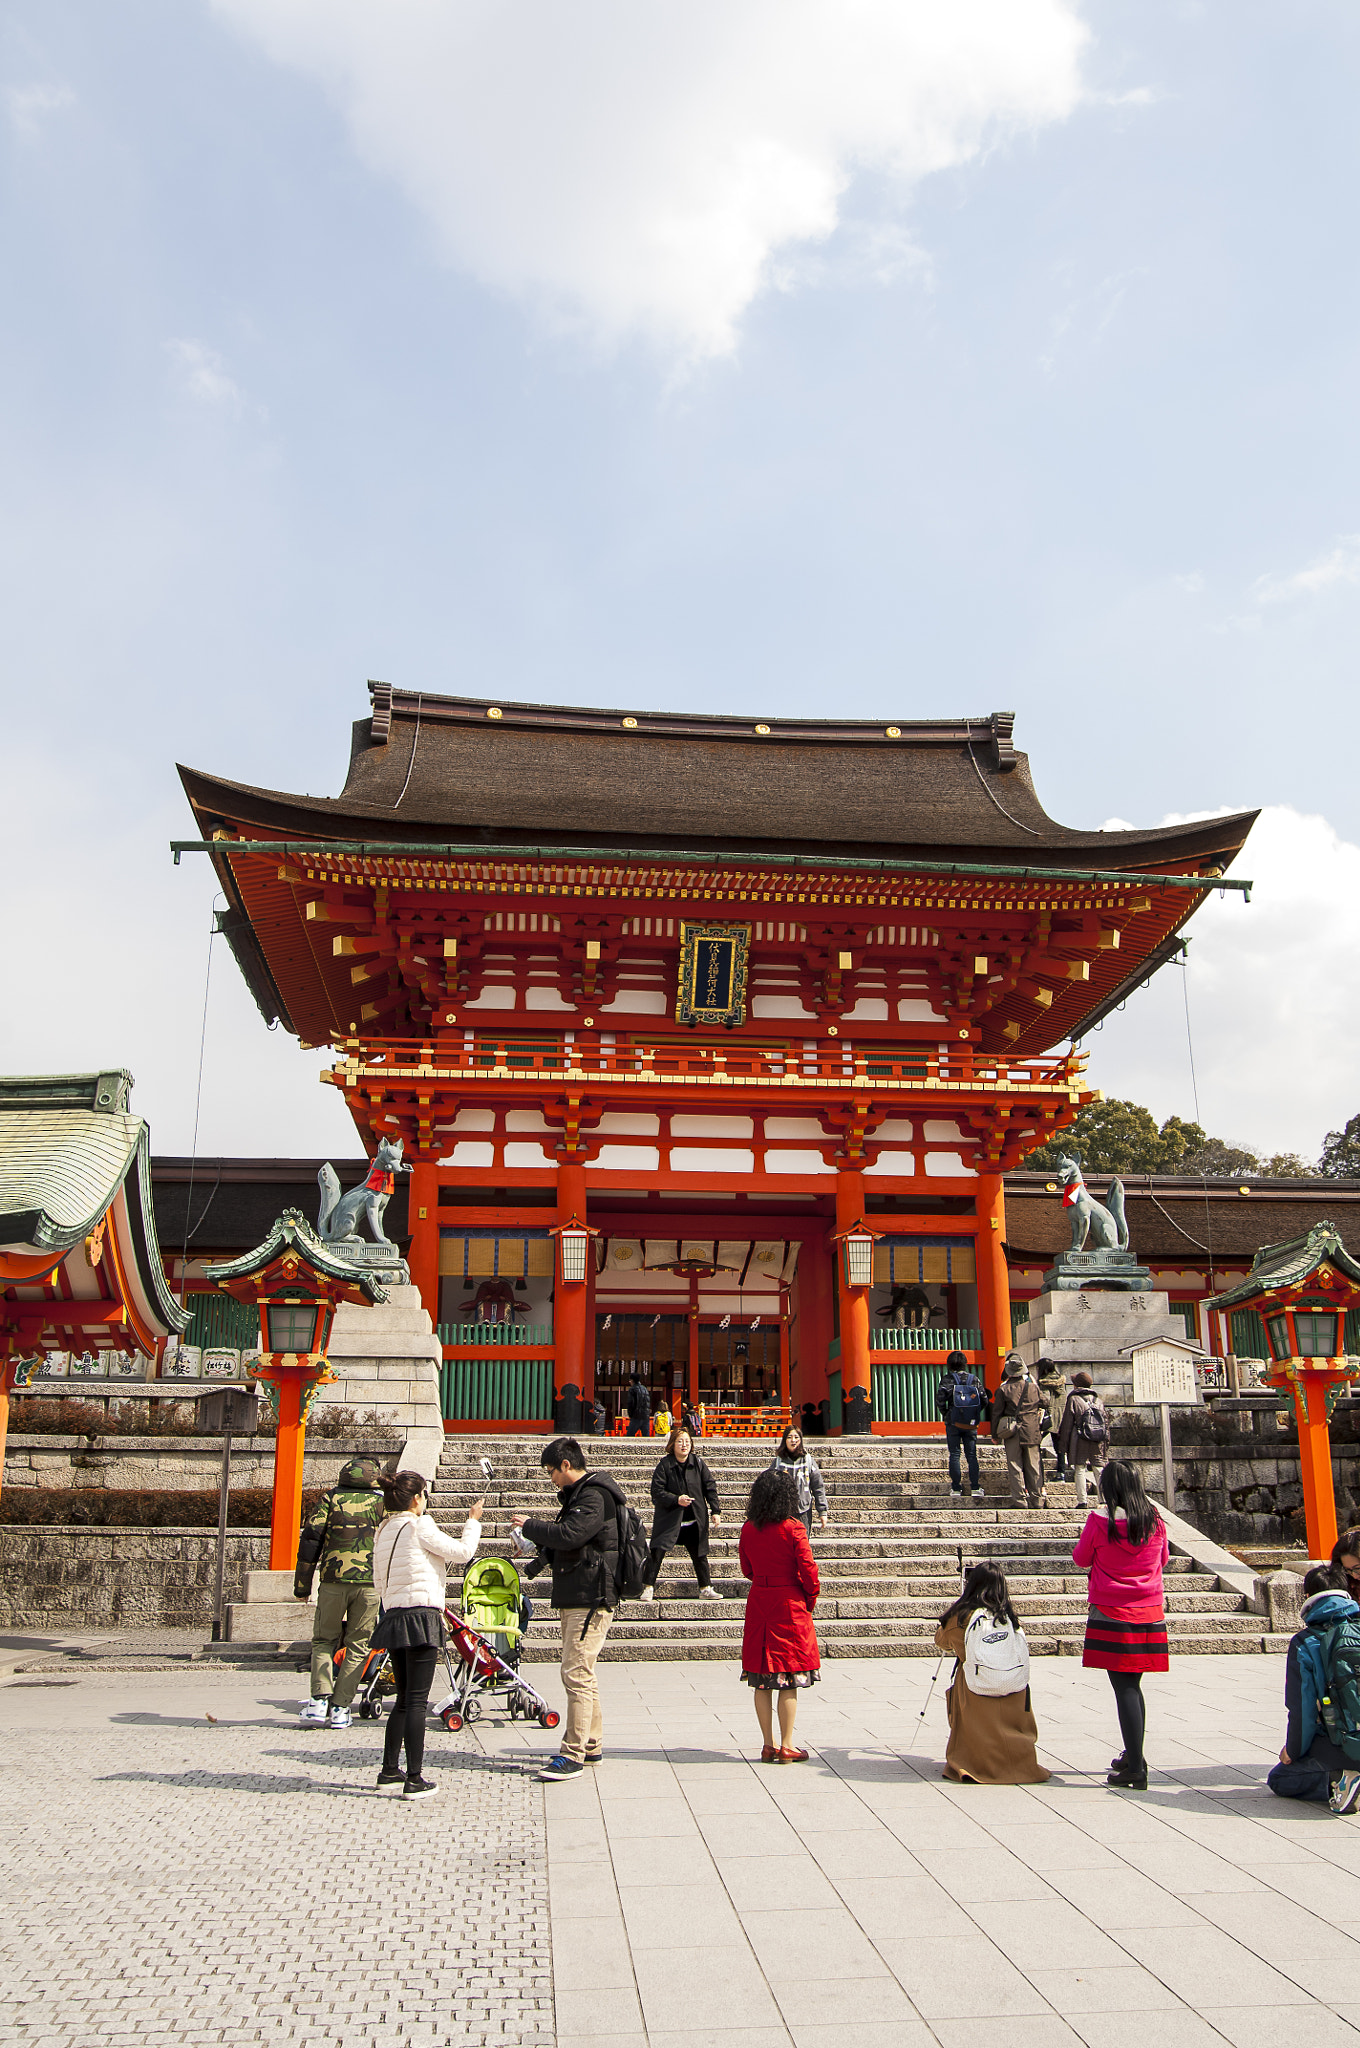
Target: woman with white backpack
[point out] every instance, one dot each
(992, 1730)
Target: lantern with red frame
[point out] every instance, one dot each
(1303, 1292)
(296, 1281)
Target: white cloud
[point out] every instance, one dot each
(1340, 565)
(637, 167)
(1274, 989)
(203, 375)
(28, 106)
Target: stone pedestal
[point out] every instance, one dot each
(387, 1360)
(269, 1613)
(1088, 1331)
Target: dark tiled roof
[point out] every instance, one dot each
(235, 1202)
(1168, 1221)
(440, 768)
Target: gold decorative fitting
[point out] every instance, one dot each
(764, 731)
(630, 723)
(589, 1023)
(494, 711)
(832, 1031)
(894, 732)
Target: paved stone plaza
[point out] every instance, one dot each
(183, 1880)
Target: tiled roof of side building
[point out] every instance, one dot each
(470, 770)
(1168, 1221)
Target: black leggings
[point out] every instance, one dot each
(1128, 1699)
(656, 1557)
(413, 1670)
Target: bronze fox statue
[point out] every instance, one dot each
(1103, 1221)
(339, 1218)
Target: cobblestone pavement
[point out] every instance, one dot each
(170, 1877)
(178, 1879)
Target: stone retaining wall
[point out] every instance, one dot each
(55, 1579)
(176, 1461)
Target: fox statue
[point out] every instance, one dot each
(340, 1214)
(1103, 1221)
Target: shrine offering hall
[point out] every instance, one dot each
(708, 1041)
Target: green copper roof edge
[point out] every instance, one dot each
(1273, 1266)
(386, 849)
(142, 1217)
(293, 1228)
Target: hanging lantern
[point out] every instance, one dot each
(857, 1256)
(573, 1241)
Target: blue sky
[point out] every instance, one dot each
(867, 358)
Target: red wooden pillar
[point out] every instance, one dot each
(785, 1390)
(693, 1373)
(423, 1223)
(572, 1322)
(857, 1413)
(1315, 1462)
(286, 1520)
(814, 1280)
(993, 1278)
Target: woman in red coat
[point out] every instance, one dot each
(779, 1644)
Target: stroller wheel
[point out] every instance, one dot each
(472, 1710)
(452, 1719)
(514, 1706)
(549, 1719)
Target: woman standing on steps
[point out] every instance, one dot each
(1125, 1551)
(684, 1495)
(779, 1654)
(794, 1459)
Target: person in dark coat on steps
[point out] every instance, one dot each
(638, 1402)
(1019, 1417)
(779, 1653)
(684, 1496)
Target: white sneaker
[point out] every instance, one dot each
(709, 1593)
(315, 1711)
(1345, 1792)
(340, 1717)
(956, 1493)
(647, 1593)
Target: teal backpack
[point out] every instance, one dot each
(1341, 1701)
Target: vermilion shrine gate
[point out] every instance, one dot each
(730, 995)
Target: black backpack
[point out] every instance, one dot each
(1093, 1424)
(965, 1402)
(630, 1566)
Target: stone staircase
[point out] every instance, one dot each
(890, 1559)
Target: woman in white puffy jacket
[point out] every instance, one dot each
(410, 1560)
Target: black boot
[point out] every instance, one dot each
(1128, 1778)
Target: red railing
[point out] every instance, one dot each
(964, 1069)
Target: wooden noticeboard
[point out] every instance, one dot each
(1163, 1373)
(1163, 1377)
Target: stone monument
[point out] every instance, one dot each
(1097, 1303)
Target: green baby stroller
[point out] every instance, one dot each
(487, 1641)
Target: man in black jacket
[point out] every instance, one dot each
(582, 1545)
(639, 1404)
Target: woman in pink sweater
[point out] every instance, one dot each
(1125, 1551)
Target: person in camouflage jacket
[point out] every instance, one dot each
(338, 1536)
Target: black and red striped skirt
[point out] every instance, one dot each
(1114, 1645)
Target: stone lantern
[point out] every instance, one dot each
(1302, 1291)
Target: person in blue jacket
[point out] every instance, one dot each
(1311, 1765)
(962, 1400)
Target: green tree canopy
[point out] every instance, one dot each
(1341, 1153)
(1123, 1137)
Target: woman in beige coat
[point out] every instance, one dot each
(992, 1738)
